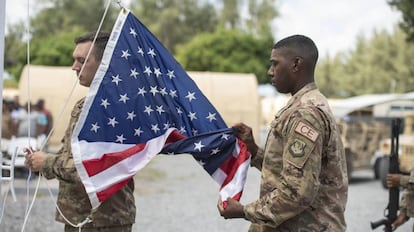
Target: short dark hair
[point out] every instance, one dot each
(100, 42)
(40, 103)
(300, 45)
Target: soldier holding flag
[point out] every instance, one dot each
(304, 180)
(117, 213)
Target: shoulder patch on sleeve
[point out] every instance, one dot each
(298, 151)
(307, 131)
(297, 148)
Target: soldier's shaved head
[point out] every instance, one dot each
(299, 45)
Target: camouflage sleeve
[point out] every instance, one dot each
(403, 204)
(407, 182)
(299, 183)
(257, 159)
(404, 181)
(61, 167)
(407, 201)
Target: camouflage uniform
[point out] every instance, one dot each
(407, 201)
(118, 210)
(304, 181)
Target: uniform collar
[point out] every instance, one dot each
(305, 89)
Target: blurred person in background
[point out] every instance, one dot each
(40, 104)
(31, 123)
(9, 127)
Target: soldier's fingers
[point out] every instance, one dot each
(28, 150)
(220, 206)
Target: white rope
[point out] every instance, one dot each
(87, 219)
(28, 103)
(26, 216)
(4, 204)
(60, 116)
(119, 4)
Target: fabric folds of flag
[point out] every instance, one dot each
(142, 103)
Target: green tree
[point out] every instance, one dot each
(14, 49)
(229, 16)
(407, 9)
(261, 14)
(175, 22)
(227, 51)
(53, 29)
(382, 64)
(58, 51)
(327, 76)
(62, 15)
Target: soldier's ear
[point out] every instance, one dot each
(297, 62)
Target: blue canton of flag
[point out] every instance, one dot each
(142, 102)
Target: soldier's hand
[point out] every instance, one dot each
(35, 160)
(233, 209)
(245, 134)
(401, 219)
(27, 161)
(393, 180)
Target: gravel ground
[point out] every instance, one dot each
(182, 199)
(173, 194)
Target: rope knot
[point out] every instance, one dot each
(84, 222)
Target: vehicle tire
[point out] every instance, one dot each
(383, 167)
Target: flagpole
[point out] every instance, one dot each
(2, 26)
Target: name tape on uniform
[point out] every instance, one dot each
(307, 131)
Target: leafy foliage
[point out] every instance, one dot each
(407, 9)
(175, 22)
(53, 29)
(216, 37)
(382, 64)
(227, 51)
(62, 15)
(15, 50)
(59, 49)
(261, 16)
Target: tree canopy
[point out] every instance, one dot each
(407, 9)
(382, 64)
(175, 23)
(227, 36)
(53, 30)
(227, 51)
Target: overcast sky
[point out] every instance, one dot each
(332, 24)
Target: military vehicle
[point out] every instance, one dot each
(405, 151)
(361, 137)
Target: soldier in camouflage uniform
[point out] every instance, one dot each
(304, 181)
(407, 200)
(117, 213)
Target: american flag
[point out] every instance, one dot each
(142, 103)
